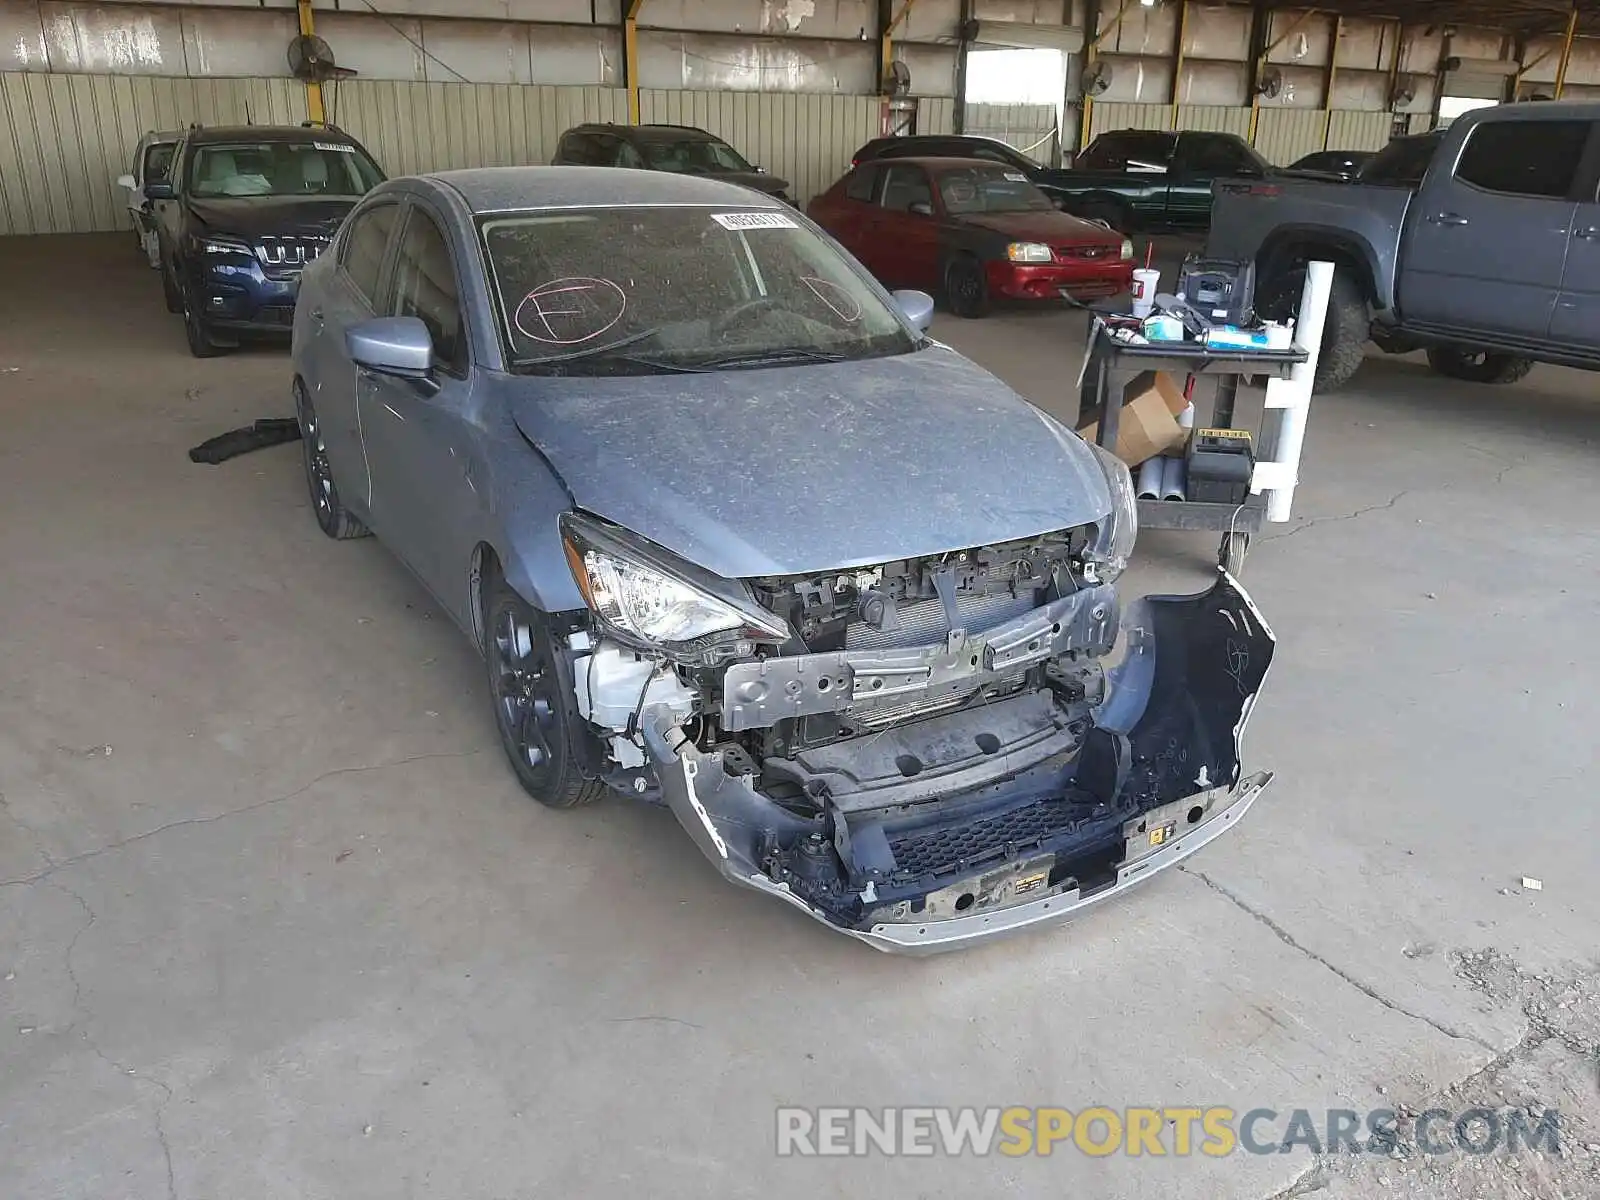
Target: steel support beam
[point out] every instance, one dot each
(1566, 50)
(1177, 58)
(886, 42)
(630, 56)
(315, 112)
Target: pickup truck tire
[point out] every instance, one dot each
(1478, 366)
(1344, 332)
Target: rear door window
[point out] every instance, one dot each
(862, 184)
(906, 185)
(1537, 159)
(1402, 163)
(425, 287)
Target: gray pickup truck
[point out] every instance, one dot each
(1480, 243)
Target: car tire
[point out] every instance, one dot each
(1478, 366)
(169, 287)
(1112, 214)
(1344, 332)
(966, 290)
(198, 331)
(535, 710)
(332, 517)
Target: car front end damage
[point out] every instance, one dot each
(925, 753)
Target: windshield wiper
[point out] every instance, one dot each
(767, 358)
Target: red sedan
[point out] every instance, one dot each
(974, 230)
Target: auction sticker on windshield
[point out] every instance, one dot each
(754, 220)
(1016, 177)
(334, 146)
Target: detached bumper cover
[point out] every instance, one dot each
(1157, 778)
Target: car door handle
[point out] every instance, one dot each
(1447, 219)
(1589, 234)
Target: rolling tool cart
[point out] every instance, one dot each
(1239, 491)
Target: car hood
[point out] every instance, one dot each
(269, 216)
(760, 180)
(789, 470)
(1056, 228)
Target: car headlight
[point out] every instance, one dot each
(1114, 544)
(642, 597)
(1028, 252)
(1127, 249)
(222, 245)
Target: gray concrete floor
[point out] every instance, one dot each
(277, 922)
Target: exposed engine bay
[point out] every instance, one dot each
(937, 738)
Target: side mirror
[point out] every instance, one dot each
(391, 346)
(760, 170)
(158, 189)
(916, 307)
(921, 207)
(127, 181)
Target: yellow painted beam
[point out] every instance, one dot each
(886, 45)
(1566, 51)
(630, 57)
(1177, 59)
(314, 110)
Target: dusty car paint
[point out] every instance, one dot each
(906, 731)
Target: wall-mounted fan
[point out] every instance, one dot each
(1405, 91)
(1270, 85)
(899, 81)
(311, 60)
(1096, 78)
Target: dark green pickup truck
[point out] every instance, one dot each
(1151, 180)
(1133, 179)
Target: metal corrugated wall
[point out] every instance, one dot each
(1108, 116)
(1285, 134)
(64, 139)
(806, 138)
(1031, 128)
(415, 127)
(1349, 130)
(1215, 118)
(936, 114)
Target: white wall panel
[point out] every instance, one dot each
(1221, 32)
(1285, 134)
(1137, 80)
(69, 136)
(217, 42)
(773, 18)
(708, 62)
(1359, 130)
(1210, 83)
(104, 39)
(1107, 118)
(1215, 118)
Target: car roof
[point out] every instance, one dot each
(201, 134)
(938, 161)
(507, 189)
(648, 131)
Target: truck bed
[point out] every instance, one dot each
(1251, 217)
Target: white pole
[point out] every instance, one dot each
(1292, 397)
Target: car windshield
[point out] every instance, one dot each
(645, 290)
(691, 156)
(331, 168)
(994, 189)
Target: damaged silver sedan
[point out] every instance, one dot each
(735, 536)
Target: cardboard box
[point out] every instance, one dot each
(1148, 425)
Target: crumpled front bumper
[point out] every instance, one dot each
(1163, 780)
